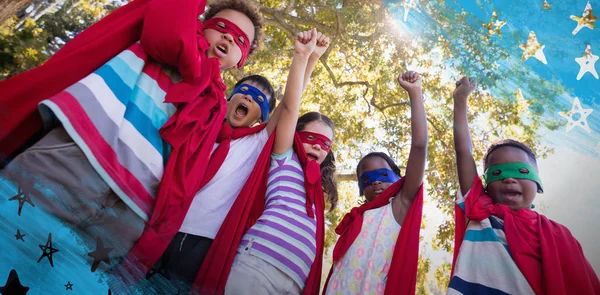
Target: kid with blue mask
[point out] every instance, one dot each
(377, 251)
(250, 102)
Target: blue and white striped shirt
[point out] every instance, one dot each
(484, 264)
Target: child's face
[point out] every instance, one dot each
(222, 45)
(314, 150)
(242, 110)
(515, 193)
(376, 188)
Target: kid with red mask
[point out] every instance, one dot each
(134, 105)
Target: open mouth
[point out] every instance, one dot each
(512, 194)
(378, 191)
(241, 111)
(222, 48)
(312, 156)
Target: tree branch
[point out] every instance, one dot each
(345, 177)
(434, 125)
(387, 106)
(31, 13)
(331, 74)
(50, 7)
(237, 74)
(284, 27)
(368, 86)
(290, 6)
(281, 15)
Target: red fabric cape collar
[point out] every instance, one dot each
(247, 208)
(173, 207)
(545, 252)
(402, 277)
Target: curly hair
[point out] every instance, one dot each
(328, 166)
(245, 7)
(511, 143)
(384, 156)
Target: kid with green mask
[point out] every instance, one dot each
(501, 245)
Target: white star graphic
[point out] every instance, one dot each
(587, 63)
(408, 4)
(587, 19)
(533, 48)
(581, 121)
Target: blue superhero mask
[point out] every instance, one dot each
(259, 97)
(368, 177)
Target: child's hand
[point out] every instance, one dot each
(464, 87)
(306, 42)
(322, 45)
(410, 81)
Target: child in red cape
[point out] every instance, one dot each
(378, 248)
(501, 245)
(276, 255)
(186, 252)
(283, 250)
(140, 86)
(249, 214)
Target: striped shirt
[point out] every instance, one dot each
(484, 264)
(284, 235)
(114, 115)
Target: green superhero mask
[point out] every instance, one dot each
(512, 170)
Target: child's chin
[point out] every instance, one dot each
(234, 123)
(371, 197)
(513, 204)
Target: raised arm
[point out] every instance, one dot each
(322, 44)
(169, 35)
(290, 104)
(462, 138)
(415, 168)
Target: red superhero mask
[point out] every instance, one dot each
(226, 27)
(315, 138)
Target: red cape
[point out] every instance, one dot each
(172, 35)
(155, 240)
(545, 252)
(402, 277)
(247, 208)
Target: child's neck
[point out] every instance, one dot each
(234, 127)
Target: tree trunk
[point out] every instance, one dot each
(10, 8)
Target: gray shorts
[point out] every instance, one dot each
(251, 275)
(79, 196)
